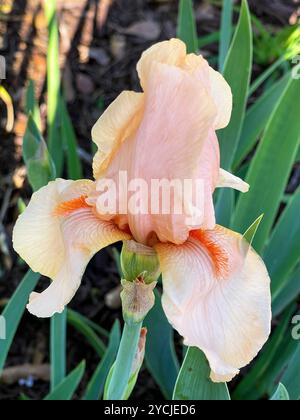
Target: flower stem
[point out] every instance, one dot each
(124, 362)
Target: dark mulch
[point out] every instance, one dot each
(97, 64)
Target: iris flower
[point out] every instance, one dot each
(216, 289)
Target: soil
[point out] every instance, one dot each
(98, 59)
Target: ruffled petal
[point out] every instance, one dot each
(57, 235)
(222, 96)
(217, 296)
(172, 53)
(215, 84)
(116, 125)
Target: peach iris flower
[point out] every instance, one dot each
(216, 288)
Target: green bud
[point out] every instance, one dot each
(139, 262)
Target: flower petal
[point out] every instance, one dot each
(174, 131)
(57, 235)
(227, 180)
(217, 296)
(222, 95)
(117, 123)
(172, 52)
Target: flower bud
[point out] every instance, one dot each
(137, 300)
(139, 262)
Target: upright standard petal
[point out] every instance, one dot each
(174, 131)
(172, 53)
(217, 296)
(215, 84)
(222, 96)
(57, 235)
(117, 124)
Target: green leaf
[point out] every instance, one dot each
(287, 294)
(226, 32)
(32, 106)
(209, 39)
(69, 140)
(271, 166)
(257, 117)
(282, 260)
(250, 233)
(237, 72)
(298, 156)
(264, 76)
(58, 338)
(53, 86)
(193, 381)
(66, 389)
(291, 376)
(261, 376)
(97, 328)
(225, 206)
(187, 30)
(40, 168)
(78, 322)
(281, 394)
(160, 357)
(14, 311)
(95, 387)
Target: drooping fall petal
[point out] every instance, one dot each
(57, 235)
(217, 296)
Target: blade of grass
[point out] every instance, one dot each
(257, 117)
(40, 167)
(226, 32)
(84, 329)
(291, 377)
(208, 39)
(32, 106)
(95, 387)
(193, 381)
(14, 311)
(69, 140)
(186, 30)
(270, 168)
(254, 385)
(66, 389)
(282, 260)
(58, 338)
(237, 71)
(264, 76)
(53, 86)
(281, 394)
(288, 293)
(93, 325)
